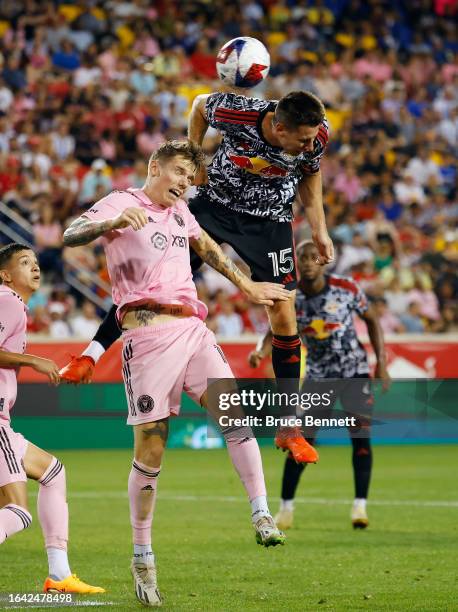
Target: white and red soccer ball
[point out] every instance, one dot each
(243, 62)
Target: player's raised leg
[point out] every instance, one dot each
(53, 516)
(150, 440)
(209, 363)
(286, 362)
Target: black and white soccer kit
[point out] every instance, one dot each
(247, 202)
(334, 353)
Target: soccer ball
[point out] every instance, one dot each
(243, 62)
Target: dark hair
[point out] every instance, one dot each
(185, 148)
(299, 108)
(7, 252)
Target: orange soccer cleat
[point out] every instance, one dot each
(291, 438)
(79, 370)
(71, 584)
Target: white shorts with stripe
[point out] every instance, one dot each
(13, 447)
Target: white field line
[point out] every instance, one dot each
(321, 501)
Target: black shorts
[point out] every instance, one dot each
(266, 246)
(356, 399)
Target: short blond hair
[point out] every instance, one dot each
(191, 151)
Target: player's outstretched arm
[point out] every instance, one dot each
(263, 349)
(40, 364)
(197, 122)
(311, 193)
(259, 293)
(378, 344)
(84, 230)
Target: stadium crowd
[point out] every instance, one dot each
(89, 89)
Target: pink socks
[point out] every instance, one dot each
(142, 497)
(52, 506)
(13, 518)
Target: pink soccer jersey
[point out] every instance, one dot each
(13, 324)
(152, 263)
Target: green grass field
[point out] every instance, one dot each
(205, 548)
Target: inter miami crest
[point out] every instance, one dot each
(159, 241)
(179, 219)
(145, 403)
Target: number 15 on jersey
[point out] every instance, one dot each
(282, 262)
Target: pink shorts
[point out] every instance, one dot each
(160, 362)
(13, 446)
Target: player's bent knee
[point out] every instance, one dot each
(13, 518)
(54, 475)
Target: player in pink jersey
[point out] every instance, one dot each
(20, 459)
(166, 346)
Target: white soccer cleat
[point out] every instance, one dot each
(359, 518)
(284, 519)
(267, 532)
(145, 583)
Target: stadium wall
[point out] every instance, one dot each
(93, 416)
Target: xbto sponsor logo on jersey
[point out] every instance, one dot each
(180, 241)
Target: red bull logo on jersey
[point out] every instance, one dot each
(257, 165)
(320, 330)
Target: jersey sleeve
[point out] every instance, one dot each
(312, 164)
(108, 207)
(228, 111)
(359, 303)
(11, 317)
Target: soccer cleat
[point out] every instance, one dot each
(284, 519)
(79, 370)
(71, 584)
(145, 584)
(291, 438)
(359, 518)
(267, 533)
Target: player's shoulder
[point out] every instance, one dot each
(10, 301)
(8, 296)
(181, 207)
(343, 283)
(117, 199)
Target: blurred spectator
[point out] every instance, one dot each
(47, 233)
(59, 329)
(63, 143)
(353, 254)
(85, 324)
(426, 300)
(397, 299)
(389, 322)
(228, 322)
(412, 320)
(67, 57)
(96, 183)
(408, 191)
